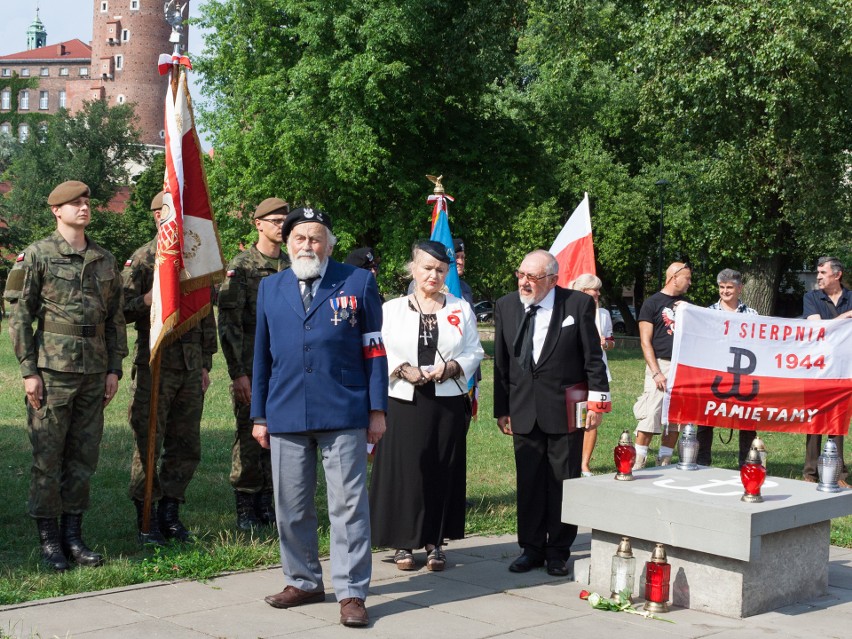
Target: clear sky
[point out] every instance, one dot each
(69, 19)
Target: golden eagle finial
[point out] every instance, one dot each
(439, 188)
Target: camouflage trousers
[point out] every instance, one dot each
(65, 434)
(178, 445)
(251, 466)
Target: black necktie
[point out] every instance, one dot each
(308, 293)
(523, 346)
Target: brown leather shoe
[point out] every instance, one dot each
(292, 596)
(353, 613)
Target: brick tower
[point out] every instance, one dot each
(128, 37)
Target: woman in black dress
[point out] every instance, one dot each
(417, 491)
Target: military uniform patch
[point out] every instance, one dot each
(15, 283)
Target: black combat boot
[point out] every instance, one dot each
(154, 535)
(51, 548)
(170, 524)
(246, 519)
(73, 544)
(264, 506)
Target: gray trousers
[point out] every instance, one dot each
(294, 473)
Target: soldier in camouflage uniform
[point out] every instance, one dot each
(71, 363)
(184, 378)
(251, 470)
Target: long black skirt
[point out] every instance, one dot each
(417, 490)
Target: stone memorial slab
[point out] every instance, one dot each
(728, 557)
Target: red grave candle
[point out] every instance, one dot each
(752, 475)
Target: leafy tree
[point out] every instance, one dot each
(137, 222)
(96, 146)
(348, 105)
(752, 118)
(523, 105)
(9, 147)
(579, 92)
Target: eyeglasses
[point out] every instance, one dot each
(278, 221)
(532, 278)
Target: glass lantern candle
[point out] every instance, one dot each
(623, 573)
(828, 466)
(624, 455)
(658, 574)
(752, 475)
(688, 448)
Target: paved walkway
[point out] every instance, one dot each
(475, 597)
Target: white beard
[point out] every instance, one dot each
(527, 300)
(306, 265)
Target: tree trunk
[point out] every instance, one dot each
(761, 284)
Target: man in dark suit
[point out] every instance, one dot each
(545, 342)
(320, 383)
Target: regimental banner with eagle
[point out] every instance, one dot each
(189, 256)
(751, 372)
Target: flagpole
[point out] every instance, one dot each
(153, 410)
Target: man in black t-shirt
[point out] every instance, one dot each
(656, 334)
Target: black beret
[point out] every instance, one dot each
(67, 192)
(458, 245)
(435, 249)
(157, 202)
(271, 205)
(303, 215)
(362, 258)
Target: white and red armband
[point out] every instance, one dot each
(599, 401)
(372, 345)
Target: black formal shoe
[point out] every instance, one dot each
(525, 563)
(558, 568)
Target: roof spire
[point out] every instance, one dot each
(36, 35)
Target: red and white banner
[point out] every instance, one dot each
(752, 372)
(189, 257)
(573, 246)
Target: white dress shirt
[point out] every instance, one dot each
(542, 322)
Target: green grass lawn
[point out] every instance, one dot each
(110, 524)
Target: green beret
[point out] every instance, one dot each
(157, 202)
(67, 192)
(271, 205)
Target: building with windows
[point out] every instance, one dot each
(118, 65)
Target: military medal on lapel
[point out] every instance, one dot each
(335, 306)
(343, 302)
(353, 304)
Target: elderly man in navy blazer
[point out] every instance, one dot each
(545, 343)
(319, 385)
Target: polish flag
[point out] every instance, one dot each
(573, 246)
(189, 257)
